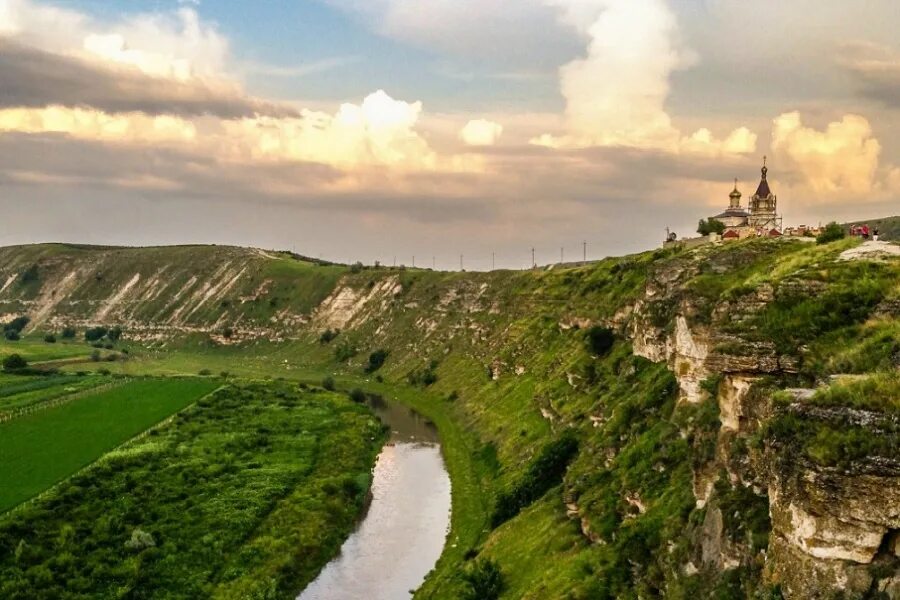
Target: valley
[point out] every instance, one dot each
(635, 427)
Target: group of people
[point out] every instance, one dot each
(864, 232)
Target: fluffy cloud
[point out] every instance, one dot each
(843, 158)
(481, 132)
(616, 94)
(379, 132)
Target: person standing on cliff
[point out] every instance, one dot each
(875, 234)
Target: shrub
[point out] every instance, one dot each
(12, 336)
(205, 372)
(356, 267)
(328, 383)
(224, 374)
(328, 335)
(358, 396)
(17, 324)
(543, 473)
(600, 340)
(30, 275)
(95, 356)
(228, 333)
(376, 360)
(95, 333)
(344, 352)
(50, 338)
(68, 332)
(14, 362)
(114, 334)
(425, 376)
(483, 581)
(831, 233)
(103, 371)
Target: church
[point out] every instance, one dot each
(759, 219)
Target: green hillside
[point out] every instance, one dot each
(644, 426)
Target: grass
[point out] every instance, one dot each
(42, 448)
(246, 494)
(30, 391)
(37, 351)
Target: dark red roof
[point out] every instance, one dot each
(774, 233)
(730, 234)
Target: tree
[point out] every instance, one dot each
(50, 338)
(376, 360)
(328, 383)
(484, 581)
(712, 226)
(12, 335)
(17, 324)
(14, 362)
(831, 233)
(68, 332)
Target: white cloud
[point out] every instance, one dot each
(616, 94)
(481, 132)
(379, 132)
(843, 158)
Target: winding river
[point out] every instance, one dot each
(403, 532)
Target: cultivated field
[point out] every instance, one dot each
(44, 447)
(247, 494)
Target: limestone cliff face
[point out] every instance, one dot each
(834, 530)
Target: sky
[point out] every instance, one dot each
(440, 131)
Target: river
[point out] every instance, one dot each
(404, 529)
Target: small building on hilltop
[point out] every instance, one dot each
(760, 219)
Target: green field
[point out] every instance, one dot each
(247, 494)
(36, 350)
(42, 448)
(24, 391)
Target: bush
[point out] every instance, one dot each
(328, 335)
(356, 267)
(425, 376)
(705, 227)
(95, 356)
(95, 333)
(483, 581)
(14, 362)
(358, 396)
(16, 325)
(30, 275)
(114, 334)
(50, 338)
(228, 333)
(205, 372)
(12, 336)
(376, 360)
(600, 340)
(543, 473)
(831, 233)
(68, 333)
(344, 352)
(103, 371)
(328, 383)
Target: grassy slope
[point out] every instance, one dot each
(40, 449)
(244, 495)
(494, 428)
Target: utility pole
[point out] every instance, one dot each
(461, 263)
(493, 260)
(584, 252)
(533, 264)
(395, 261)
(433, 264)
(414, 261)
(561, 261)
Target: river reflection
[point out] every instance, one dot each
(403, 532)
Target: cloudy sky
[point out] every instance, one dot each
(374, 129)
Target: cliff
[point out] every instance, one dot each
(737, 432)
